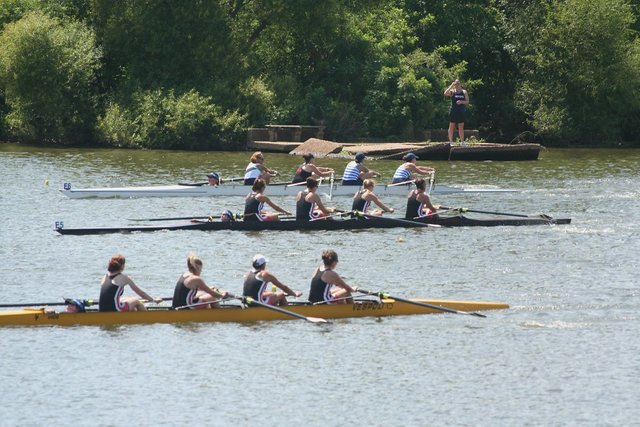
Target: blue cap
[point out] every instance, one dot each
(360, 157)
(213, 175)
(410, 156)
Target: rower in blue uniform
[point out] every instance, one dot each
(213, 179)
(256, 284)
(406, 172)
(325, 279)
(355, 172)
(254, 204)
(191, 290)
(112, 288)
(309, 205)
(363, 199)
(309, 170)
(419, 203)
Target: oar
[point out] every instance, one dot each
(384, 295)
(400, 220)
(249, 301)
(402, 183)
(437, 212)
(86, 302)
(200, 304)
(432, 180)
(296, 184)
(331, 186)
(463, 210)
(336, 213)
(175, 218)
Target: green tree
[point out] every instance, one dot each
(48, 72)
(580, 81)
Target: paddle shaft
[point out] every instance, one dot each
(488, 212)
(251, 301)
(402, 221)
(89, 303)
(420, 303)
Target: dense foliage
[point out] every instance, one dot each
(197, 74)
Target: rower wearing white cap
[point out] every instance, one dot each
(355, 173)
(406, 171)
(256, 284)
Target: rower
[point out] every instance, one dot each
(363, 199)
(112, 288)
(256, 169)
(213, 179)
(309, 205)
(408, 170)
(355, 172)
(191, 290)
(256, 284)
(419, 203)
(324, 278)
(255, 202)
(309, 170)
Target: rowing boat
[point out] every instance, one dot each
(325, 224)
(282, 189)
(236, 313)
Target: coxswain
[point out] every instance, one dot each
(309, 205)
(255, 202)
(327, 285)
(408, 170)
(364, 197)
(112, 288)
(191, 290)
(256, 169)
(213, 179)
(419, 203)
(355, 172)
(256, 284)
(309, 170)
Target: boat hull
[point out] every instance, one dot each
(386, 307)
(242, 190)
(327, 224)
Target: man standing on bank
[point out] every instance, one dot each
(459, 99)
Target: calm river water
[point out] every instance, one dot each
(566, 353)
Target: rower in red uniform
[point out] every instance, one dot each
(310, 170)
(363, 199)
(255, 202)
(327, 285)
(309, 205)
(112, 288)
(191, 289)
(256, 284)
(418, 202)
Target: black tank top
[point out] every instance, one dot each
(110, 295)
(414, 207)
(320, 290)
(359, 204)
(252, 207)
(253, 287)
(182, 295)
(301, 175)
(304, 209)
(458, 95)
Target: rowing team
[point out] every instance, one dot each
(354, 174)
(309, 206)
(192, 292)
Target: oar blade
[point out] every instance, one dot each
(316, 320)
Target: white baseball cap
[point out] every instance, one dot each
(259, 259)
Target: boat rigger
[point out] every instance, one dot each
(236, 313)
